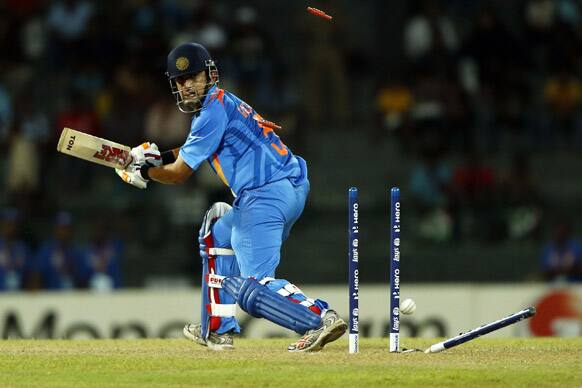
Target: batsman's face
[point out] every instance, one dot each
(191, 88)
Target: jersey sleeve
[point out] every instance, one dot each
(205, 136)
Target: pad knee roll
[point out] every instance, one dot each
(205, 240)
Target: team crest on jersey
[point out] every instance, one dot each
(182, 63)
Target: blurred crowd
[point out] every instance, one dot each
(475, 79)
(58, 262)
(471, 84)
(475, 99)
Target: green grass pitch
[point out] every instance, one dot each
(261, 363)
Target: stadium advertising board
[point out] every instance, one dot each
(443, 310)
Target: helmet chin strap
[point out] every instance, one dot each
(194, 105)
(189, 106)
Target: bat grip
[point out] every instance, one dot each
(128, 162)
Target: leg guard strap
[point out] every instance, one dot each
(216, 309)
(220, 251)
(295, 295)
(221, 310)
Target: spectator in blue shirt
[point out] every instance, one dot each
(15, 260)
(103, 259)
(61, 264)
(561, 257)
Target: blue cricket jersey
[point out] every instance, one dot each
(239, 145)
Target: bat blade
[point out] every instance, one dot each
(93, 149)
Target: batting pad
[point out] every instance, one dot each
(260, 302)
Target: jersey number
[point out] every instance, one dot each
(270, 134)
(267, 127)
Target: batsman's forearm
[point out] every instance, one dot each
(170, 174)
(167, 174)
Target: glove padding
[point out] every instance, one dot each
(132, 175)
(145, 153)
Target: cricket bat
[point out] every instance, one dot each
(94, 149)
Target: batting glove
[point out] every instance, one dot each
(146, 153)
(132, 175)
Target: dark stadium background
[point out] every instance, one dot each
(485, 96)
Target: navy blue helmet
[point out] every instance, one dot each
(190, 59)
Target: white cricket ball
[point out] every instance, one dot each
(407, 306)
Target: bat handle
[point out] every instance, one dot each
(128, 162)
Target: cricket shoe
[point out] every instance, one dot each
(332, 327)
(214, 342)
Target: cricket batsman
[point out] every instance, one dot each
(240, 245)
